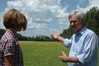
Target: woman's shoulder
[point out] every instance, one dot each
(7, 36)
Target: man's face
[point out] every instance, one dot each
(75, 24)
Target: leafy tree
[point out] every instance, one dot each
(92, 19)
(67, 33)
(2, 31)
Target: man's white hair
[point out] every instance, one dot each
(80, 15)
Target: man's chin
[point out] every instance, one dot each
(74, 30)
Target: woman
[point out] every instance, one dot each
(10, 51)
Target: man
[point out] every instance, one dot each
(83, 44)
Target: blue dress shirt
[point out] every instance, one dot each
(83, 45)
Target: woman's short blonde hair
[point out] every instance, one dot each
(14, 19)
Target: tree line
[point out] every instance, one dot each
(24, 38)
(91, 21)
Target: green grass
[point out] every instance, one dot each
(43, 53)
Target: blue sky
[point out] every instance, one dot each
(72, 4)
(46, 16)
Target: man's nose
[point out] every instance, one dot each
(72, 23)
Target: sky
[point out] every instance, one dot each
(45, 16)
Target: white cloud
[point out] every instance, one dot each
(43, 16)
(1, 20)
(81, 1)
(92, 3)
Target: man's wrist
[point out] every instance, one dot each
(64, 59)
(58, 37)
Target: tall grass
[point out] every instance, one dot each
(43, 53)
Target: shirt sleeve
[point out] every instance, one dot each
(9, 48)
(90, 48)
(67, 42)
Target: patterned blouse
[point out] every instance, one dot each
(10, 46)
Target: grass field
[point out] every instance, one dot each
(43, 53)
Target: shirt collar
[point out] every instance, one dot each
(82, 30)
(11, 32)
